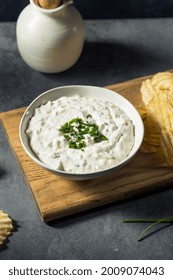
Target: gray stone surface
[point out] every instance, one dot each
(115, 51)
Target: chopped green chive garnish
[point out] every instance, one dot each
(74, 131)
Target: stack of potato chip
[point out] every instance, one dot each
(157, 95)
(5, 226)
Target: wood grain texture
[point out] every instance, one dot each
(57, 197)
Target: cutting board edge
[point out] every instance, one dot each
(3, 114)
(110, 202)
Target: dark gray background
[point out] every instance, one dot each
(100, 9)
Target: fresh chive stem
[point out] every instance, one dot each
(154, 222)
(165, 220)
(148, 220)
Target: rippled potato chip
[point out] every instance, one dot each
(159, 83)
(5, 226)
(166, 145)
(152, 136)
(157, 95)
(161, 110)
(162, 81)
(148, 91)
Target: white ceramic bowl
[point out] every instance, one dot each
(90, 92)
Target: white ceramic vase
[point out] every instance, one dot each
(50, 41)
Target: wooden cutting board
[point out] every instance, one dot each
(57, 197)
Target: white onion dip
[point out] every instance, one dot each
(50, 146)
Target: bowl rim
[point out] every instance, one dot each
(99, 172)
